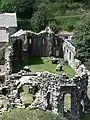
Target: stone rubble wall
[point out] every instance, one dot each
(51, 91)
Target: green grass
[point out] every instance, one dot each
(67, 22)
(88, 91)
(67, 102)
(46, 65)
(38, 64)
(25, 96)
(27, 114)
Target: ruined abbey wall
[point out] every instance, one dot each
(51, 89)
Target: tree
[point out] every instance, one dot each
(6, 6)
(42, 18)
(38, 2)
(22, 7)
(53, 25)
(81, 38)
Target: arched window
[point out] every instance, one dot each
(56, 42)
(30, 41)
(64, 49)
(70, 56)
(43, 41)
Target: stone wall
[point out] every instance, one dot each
(45, 43)
(12, 30)
(51, 89)
(40, 44)
(2, 53)
(69, 54)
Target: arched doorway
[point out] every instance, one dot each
(68, 101)
(27, 92)
(25, 95)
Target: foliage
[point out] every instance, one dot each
(24, 24)
(6, 6)
(42, 18)
(81, 38)
(87, 64)
(65, 23)
(19, 6)
(38, 2)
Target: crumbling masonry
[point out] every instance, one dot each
(48, 89)
(50, 92)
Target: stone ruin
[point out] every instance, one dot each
(48, 92)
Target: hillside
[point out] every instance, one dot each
(37, 14)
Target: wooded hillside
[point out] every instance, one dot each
(37, 14)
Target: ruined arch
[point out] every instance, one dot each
(32, 86)
(72, 90)
(28, 96)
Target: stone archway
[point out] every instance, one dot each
(25, 96)
(30, 89)
(72, 90)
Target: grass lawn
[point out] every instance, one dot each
(67, 102)
(25, 96)
(27, 114)
(46, 65)
(38, 64)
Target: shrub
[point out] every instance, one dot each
(87, 64)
